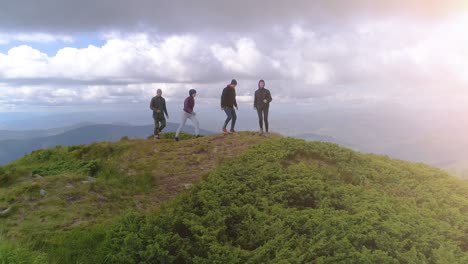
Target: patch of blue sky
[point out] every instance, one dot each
(51, 48)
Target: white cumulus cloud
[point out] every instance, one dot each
(388, 59)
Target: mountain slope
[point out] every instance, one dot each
(278, 200)
(289, 201)
(129, 174)
(14, 149)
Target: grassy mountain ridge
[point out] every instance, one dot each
(13, 149)
(289, 201)
(136, 174)
(277, 200)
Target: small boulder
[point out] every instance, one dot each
(43, 192)
(89, 180)
(4, 211)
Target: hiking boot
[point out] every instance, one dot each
(233, 131)
(176, 138)
(225, 131)
(157, 137)
(267, 134)
(198, 136)
(260, 132)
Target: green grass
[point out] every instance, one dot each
(126, 176)
(289, 201)
(16, 254)
(228, 199)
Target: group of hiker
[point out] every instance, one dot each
(262, 102)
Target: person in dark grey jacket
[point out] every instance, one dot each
(262, 102)
(158, 105)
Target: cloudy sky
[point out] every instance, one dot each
(64, 54)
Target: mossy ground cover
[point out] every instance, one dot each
(56, 196)
(288, 201)
(234, 199)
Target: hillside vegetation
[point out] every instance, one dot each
(279, 200)
(70, 188)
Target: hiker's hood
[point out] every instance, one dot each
(259, 84)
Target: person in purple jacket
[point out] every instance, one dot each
(188, 113)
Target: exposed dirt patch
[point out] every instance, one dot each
(191, 166)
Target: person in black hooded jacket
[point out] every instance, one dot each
(262, 102)
(228, 102)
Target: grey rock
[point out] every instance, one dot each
(89, 180)
(4, 211)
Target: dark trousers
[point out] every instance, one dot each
(159, 124)
(263, 117)
(231, 115)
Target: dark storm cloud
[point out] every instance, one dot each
(198, 16)
(59, 82)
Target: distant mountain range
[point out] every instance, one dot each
(26, 141)
(26, 134)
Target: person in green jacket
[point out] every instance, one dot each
(262, 102)
(158, 105)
